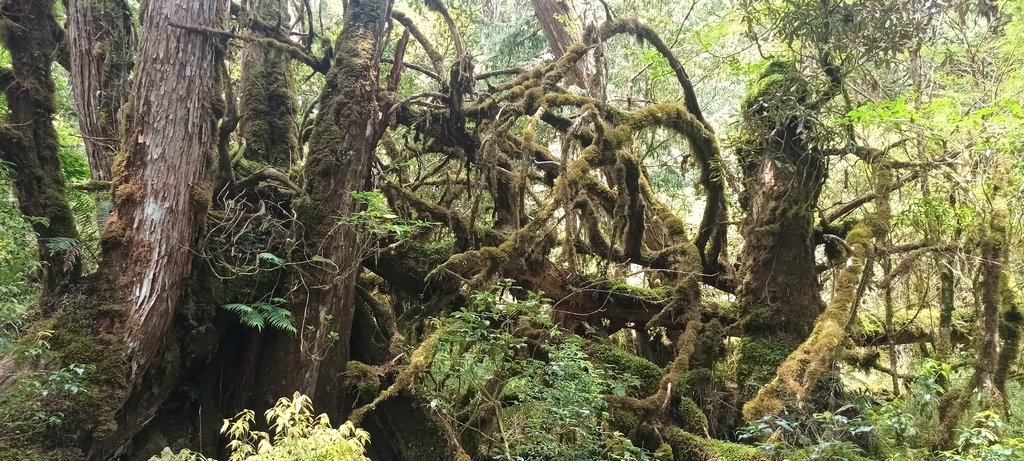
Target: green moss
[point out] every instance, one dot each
(779, 84)
(91, 413)
(757, 359)
(617, 361)
(663, 453)
(691, 417)
(624, 413)
(689, 447)
(869, 324)
(364, 378)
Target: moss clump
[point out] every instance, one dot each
(92, 413)
(663, 453)
(691, 417)
(689, 447)
(636, 291)
(364, 378)
(625, 414)
(757, 359)
(618, 362)
(780, 91)
(870, 325)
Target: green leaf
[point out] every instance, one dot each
(272, 259)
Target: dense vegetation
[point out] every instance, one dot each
(504, 230)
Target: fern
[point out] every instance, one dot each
(273, 260)
(263, 313)
(55, 245)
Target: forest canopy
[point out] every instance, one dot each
(461, 230)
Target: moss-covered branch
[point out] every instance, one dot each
(800, 373)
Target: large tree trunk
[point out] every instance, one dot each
(161, 194)
(28, 140)
(161, 185)
(120, 320)
(328, 252)
(778, 290)
(267, 100)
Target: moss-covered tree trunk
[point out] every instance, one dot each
(328, 250)
(267, 99)
(986, 353)
(28, 140)
(778, 290)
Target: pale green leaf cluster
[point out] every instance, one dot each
(296, 434)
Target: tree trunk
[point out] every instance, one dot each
(778, 291)
(120, 320)
(328, 250)
(100, 46)
(28, 140)
(552, 16)
(267, 99)
(161, 185)
(161, 193)
(993, 249)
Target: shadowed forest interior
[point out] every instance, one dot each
(475, 230)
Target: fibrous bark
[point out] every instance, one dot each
(161, 188)
(100, 45)
(120, 320)
(554, 16)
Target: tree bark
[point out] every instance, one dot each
(119, 320)
(161, 185)
(28, 140)
(100, 43)
(100, 46)
(552, 14)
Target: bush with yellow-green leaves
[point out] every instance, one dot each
(296, 435)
